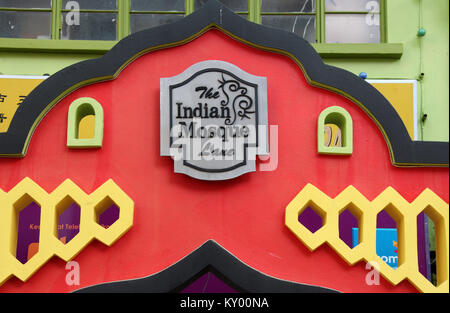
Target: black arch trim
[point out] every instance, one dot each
(403, 151)
(208, 257)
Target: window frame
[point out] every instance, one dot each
(320, 14)
(339, 50)
(382, 13)
(49, 10)
(260, 13)
(128, 12)
(60, 10)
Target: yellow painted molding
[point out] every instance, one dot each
(403, 212)
(52, 205)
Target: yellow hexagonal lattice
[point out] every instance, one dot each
(402, 211)
(52, 204)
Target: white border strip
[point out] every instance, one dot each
(403, 81)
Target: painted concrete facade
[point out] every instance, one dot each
(428, 55)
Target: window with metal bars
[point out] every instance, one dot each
(321, 21)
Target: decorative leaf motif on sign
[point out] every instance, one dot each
(235, 93)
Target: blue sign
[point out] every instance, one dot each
(387, 244)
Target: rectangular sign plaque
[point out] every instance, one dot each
(214, 120)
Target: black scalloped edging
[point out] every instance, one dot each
(403, 151)
(208, 257)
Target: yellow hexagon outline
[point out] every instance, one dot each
(125, 220)
(69, 250)
(387, 197)
(350, 255)
(293, 210)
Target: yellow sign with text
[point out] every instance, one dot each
(13, 91)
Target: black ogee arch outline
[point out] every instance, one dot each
(403, 151)
(208, 257)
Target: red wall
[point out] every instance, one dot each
(174, 213)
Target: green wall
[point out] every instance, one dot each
(429, 54)
(26, 63)
(436, 68)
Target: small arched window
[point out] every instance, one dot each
(335, 131)
(85, 124)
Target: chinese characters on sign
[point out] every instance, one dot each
(13, 91)
(2, 114)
